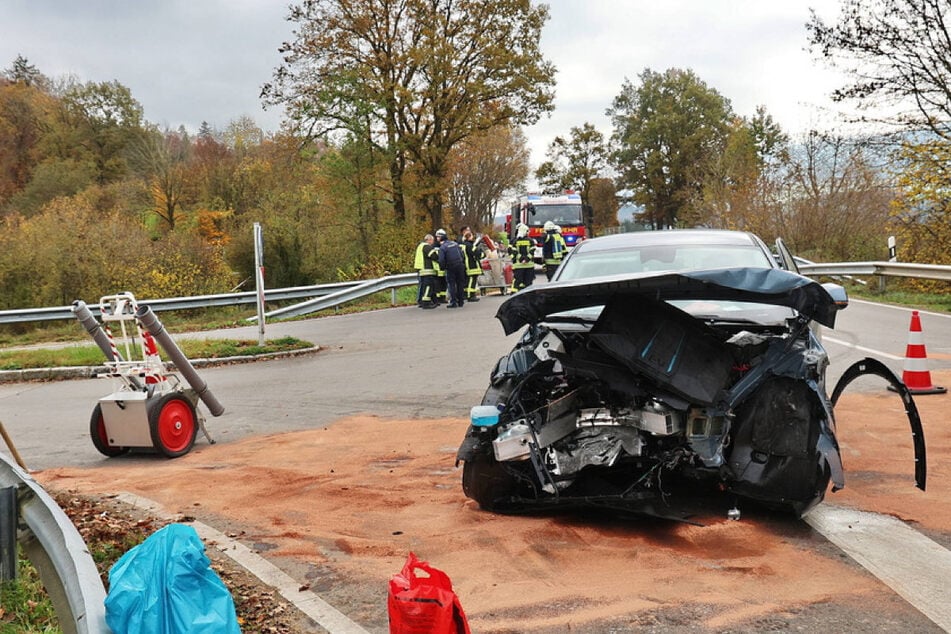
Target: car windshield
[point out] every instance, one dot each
(664, 257)
(559, 214)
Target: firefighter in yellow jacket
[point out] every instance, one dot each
(473, 253)
(523, 259)
(553, 249)
(427, 258)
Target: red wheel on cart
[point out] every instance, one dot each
(172, 424)
(100, 437)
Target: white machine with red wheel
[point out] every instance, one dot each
(149, 407)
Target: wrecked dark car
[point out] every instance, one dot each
(661, 363)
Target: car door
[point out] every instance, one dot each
(786, 259)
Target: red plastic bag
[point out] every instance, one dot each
(421, 601)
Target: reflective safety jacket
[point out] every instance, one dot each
(522, 252)
(473, 257)
(427, 259)
(553, 249)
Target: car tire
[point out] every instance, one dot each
(493, 485)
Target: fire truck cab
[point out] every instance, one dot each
(535, 209)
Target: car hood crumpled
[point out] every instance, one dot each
(761, 285)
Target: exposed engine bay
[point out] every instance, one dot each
(626, 405)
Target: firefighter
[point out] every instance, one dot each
(439, 284)
(452, 260)
(426, 257)
(473, 253)
(523, 262)
(553, 248)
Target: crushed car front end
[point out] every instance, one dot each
(628, 391)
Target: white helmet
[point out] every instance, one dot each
(549, 225)
(521, 231)
(441, 233)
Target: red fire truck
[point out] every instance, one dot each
(534, 210)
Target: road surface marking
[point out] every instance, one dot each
(839, 342)
(914, 566)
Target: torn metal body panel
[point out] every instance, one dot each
(625, 389)
(877, 368)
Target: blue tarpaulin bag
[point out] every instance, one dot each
(165, 585)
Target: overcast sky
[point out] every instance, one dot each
(188, 61)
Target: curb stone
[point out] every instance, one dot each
(91, 372)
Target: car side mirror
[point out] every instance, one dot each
(838, 294)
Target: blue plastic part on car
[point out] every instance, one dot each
(484, 415)
(165, 585)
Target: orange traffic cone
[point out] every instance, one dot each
(916, 376)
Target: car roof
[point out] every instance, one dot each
(669, 236)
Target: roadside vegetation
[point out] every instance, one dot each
(938, 302)
(110, 530)
(91, 355)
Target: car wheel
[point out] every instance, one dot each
(493, 485)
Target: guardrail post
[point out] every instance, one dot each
(8, 533)
(393, 296)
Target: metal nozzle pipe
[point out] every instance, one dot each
(148, 319)
(94, 328)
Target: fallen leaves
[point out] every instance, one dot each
(111, 528)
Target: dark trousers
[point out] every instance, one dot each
(427, 290)
(523, 277)
(456, 281)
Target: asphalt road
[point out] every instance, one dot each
(401, 362)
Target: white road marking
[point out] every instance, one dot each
(914, 566)
(839, 342)
(327, 616)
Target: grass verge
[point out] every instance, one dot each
(90, 354)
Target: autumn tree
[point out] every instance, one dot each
(896, 54)
(25, 111)
(483, 168)
(163, 159)
(602, 196)
(827, 199)
(667, 129)
(213, 166)
(419, 76)
(574, 162)
(100, 121)
(921, 212)
(733, 194)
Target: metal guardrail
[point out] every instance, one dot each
(342, 292)
(58, 553)
(887, 269)
(182, 303)
(345, 295)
